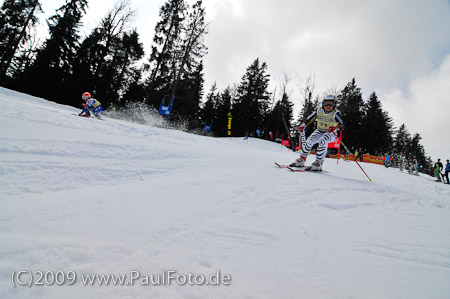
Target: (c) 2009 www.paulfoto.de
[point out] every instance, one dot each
(135, 277)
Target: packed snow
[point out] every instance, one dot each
(81, 196)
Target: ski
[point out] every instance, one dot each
(306, 169)
(281, 165)
(298, 169)
(88, 116)
(81, 115)
(287, 166)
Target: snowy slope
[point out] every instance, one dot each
(110, 197)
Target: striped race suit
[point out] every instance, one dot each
(320, 135)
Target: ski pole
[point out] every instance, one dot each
(370, 180)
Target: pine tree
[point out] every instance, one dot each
(417, 151)
(376, 127)
(190, 92)
(252, 103)
(16, 20)
(209, 108)
(411, 148)
(176, 60)
(50, 76)
(23, 59)
(281, 116)
(222, 108)
(402, 140)
(309, 106)
(127, 55)
(189, 53)
(167, 36)
(351, 105)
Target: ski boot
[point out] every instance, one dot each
(300, 162)
(316, 166)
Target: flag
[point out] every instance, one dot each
(230, 118)
(335, 144)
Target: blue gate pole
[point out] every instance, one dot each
(170, 109)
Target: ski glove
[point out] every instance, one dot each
(301, 127)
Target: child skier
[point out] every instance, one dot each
(90, 105)
(329, 121)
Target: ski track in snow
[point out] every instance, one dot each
(110, 196)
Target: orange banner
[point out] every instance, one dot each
(365, 158)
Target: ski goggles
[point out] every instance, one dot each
(328, 103)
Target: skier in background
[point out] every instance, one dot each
(90, 105)
(329, 121)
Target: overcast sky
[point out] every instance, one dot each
(398, 48)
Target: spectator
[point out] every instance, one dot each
(414, 166)
(447, 170)
(359, 154)
(387, 160)
(437, 170)
(400, 161)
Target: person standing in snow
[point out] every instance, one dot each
(447, 170)
(359, 153)
(90, 105)
(400, 161)
(329, 121)
(387, 160)
(414, 167)
(437, 170)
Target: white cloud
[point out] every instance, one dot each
(424, 109)
(390, 47)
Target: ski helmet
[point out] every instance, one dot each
(86, 96)
(329, 100)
